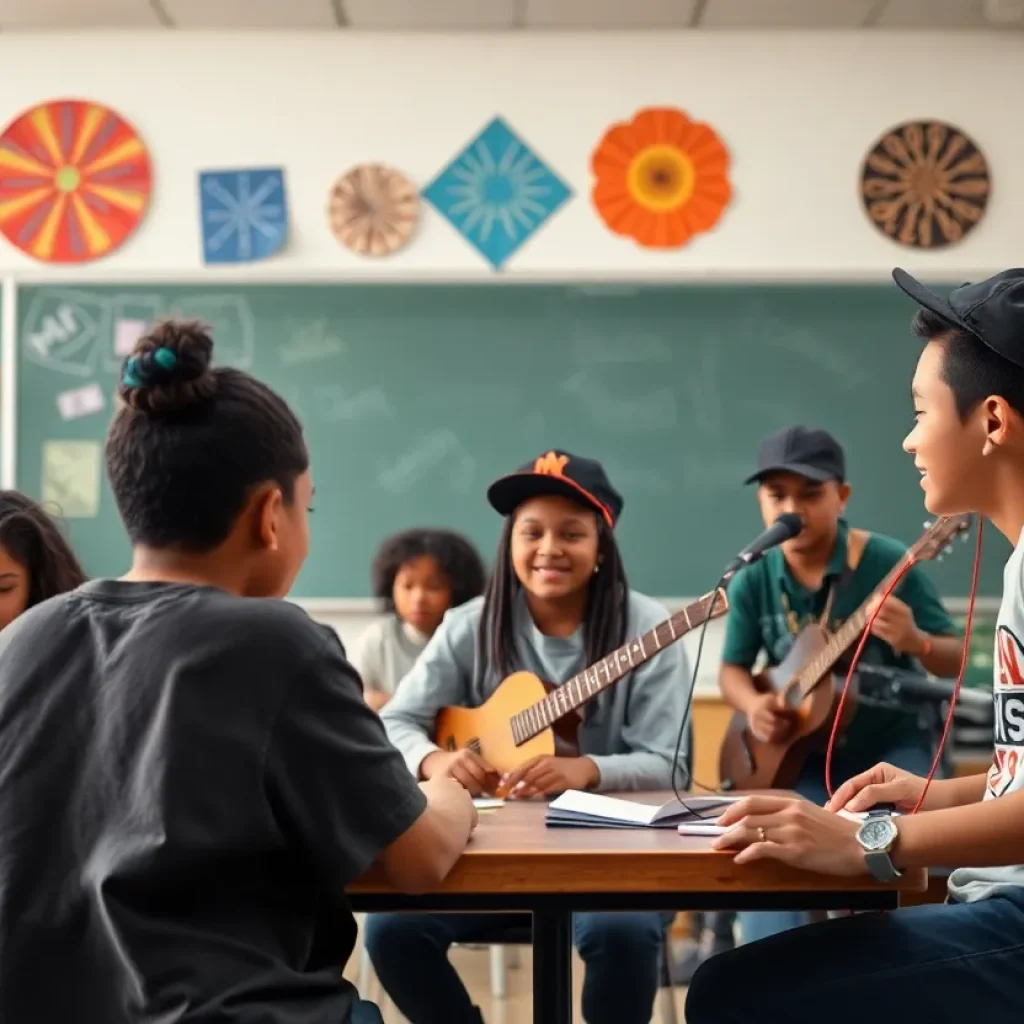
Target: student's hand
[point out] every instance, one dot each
(794, 831)
(882, 784)
(376, 698)
(546, 774)
(895, 625)
(465, 767)
(770, 721)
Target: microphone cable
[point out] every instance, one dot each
(964, 655)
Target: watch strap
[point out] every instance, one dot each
(880, 864)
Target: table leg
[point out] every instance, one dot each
(552, 967)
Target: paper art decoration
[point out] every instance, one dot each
(243, 213)
(373, 210)
(661, 178)
(75, 181)
(925, 184)
(497, 192)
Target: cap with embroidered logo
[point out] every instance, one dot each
(559, 473)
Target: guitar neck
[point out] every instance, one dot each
(840, 641)
(586, 685)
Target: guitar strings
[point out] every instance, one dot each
(964, 655)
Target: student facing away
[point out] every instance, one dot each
(821, 577)
(960, 960)
(418, 574)
(557, 602)
(36, 562)
(189, 778)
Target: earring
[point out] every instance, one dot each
(597, 569)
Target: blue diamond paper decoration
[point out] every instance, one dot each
(497, 192)
(244, 214)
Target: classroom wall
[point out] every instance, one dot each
(797, 111)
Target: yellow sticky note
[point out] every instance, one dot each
(71, 478)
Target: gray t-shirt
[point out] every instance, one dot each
(629, 730)
(1007, 772)
(188, 782)
(386, 651)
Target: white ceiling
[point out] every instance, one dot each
(440, 15)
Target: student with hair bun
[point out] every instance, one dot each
(189, 775)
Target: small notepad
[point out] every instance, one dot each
(577, 809)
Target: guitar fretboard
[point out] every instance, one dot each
(586, 685)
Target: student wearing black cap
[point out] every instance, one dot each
(822, 576)
(557, 602)
(942, 963)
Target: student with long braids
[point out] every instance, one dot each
(189, 775)
(557, 601)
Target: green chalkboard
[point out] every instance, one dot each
(415, 396)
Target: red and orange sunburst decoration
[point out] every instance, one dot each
(660, 178)
(75, 181)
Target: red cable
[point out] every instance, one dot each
(956, 689)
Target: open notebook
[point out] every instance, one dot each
(577, 809)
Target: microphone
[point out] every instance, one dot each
(787, 526)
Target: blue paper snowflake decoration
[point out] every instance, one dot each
(497, 192)
(244, 214)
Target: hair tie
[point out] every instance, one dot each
(139, 369)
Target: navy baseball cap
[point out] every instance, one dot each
(558, 472)
(992, 310)
(806, 451)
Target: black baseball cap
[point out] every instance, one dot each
(558, 472)
(806, 451)
(992, 310)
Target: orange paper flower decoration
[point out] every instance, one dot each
(661, 178)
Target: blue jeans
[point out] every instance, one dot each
(941, 963)
(756, 925)
(365, 1013)
(409, 952)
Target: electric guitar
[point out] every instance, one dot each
(809, 688)
(526, 717)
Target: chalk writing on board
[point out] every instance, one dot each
(311, 343)
(335, 405)
(627, 347)
(231, 322)
(440, 454)
(705, 396)
(62, 330)
(651, 411)
(80, 401)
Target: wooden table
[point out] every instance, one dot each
(516, 864)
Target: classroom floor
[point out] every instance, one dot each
(473, 966)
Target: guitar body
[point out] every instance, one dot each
(488, 728)
(746, 763)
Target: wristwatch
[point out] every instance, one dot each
(877, 836)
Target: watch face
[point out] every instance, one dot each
(876, 833)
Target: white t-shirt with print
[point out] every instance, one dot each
(1007, 772)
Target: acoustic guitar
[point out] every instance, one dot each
(526, 717)
(809, 688)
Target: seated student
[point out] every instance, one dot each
(822, 576)
(945, 963)
(419, 574)
(557, 602)
(189, 778)
(36, 562)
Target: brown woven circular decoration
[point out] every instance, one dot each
(373, 210)
(925, 184)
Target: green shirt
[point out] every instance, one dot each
(767, 604)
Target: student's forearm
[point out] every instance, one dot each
(737, 686)
(635, 771)
(989, 833)
(943, 659)
(944, 794)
